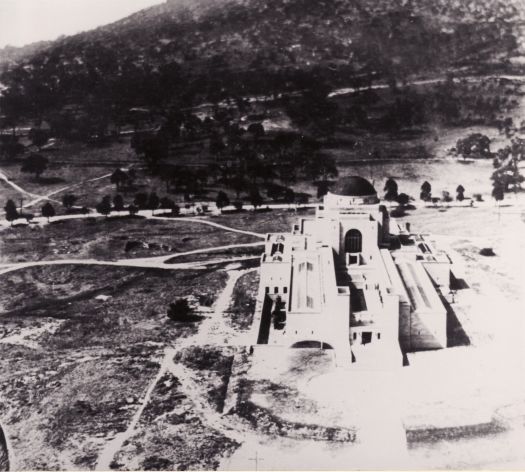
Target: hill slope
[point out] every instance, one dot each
(191, 50)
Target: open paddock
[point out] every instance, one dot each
(108, 238)
(75, 366)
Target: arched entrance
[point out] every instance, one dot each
(353, 241)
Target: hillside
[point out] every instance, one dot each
(11, 55)
(187, 51)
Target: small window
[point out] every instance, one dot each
(355, 336)
(378, 335)
(285, 289)
(309, 302)
(276, 290)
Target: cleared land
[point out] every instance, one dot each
(75, 367)
(110, 239)
(71, 359)
(263, 221)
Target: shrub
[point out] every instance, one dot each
(478, 197)
(487, 252)
(180, 310)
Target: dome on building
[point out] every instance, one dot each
(353, 186)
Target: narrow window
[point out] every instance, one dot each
(276, 290)
(378, 335)
(285, 289)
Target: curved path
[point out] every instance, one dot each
(39, 198)
(211, 223)
(16, 187)
(470, 79)
(210, 332)
(147, 215)
(146, 263)
(112, 447)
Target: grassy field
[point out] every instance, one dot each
(244, 298)
(263, 221)
(71, 164)
(173, 436)
(249, 251)
(108, 238)
(74, 367)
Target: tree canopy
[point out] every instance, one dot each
(35, 164)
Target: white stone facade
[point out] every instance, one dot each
(334, 282)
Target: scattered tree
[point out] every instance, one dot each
(119, 177)
(256, 129)
(38, 137)
(11, 213)
(446, 196)
(48, 211)
(255, 198)
(35, 164)
(104, 207)
(403, 199)
(391, 190)
(222, 200)
(68, 200)
(322, 188)
(460, 191)
(289, 196)
(475, 145)
(141, 200)
(153, 202)
(498, 192)
(180, 310)
(426, 192)
(132, 176)
(118, 203)
(167, 203)
(133, 210)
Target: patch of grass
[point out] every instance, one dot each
(214, 365)
(171, 435)
(262, 222)
(220, 254)
(416, 437)
(244, 299)
(106, 239)
(267, 421)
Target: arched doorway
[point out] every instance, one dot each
(353, 241)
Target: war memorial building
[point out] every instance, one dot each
(353, 280)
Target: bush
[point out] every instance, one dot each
(487, 252)
(478, 197)
(157, 463)
(180, 311)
